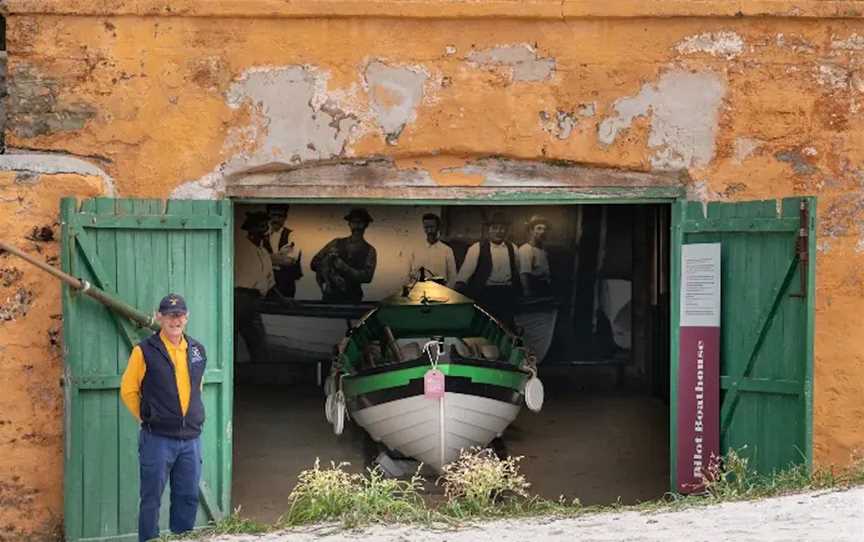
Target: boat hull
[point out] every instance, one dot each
(434, 431)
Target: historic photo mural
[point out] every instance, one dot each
(559, 275)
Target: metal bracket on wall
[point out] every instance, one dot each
(801, 249)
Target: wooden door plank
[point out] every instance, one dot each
(678, 216)
(225, 308)
(73, 503)
(128, 431)
(810, 328)
(754, 342)
(100, 407)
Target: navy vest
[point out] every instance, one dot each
(160, 402)
(286, 277)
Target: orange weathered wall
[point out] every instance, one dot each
(159, 103)
(31, 359)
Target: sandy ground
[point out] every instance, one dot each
(835, 517)
(597, 447)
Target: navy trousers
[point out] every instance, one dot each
(163, 459)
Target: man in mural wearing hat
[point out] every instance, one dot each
(490, 272)
(286, 257)
(345, 264)
(435, 256)
(162, 387)
(253, 280)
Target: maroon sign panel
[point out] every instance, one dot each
(699, 366)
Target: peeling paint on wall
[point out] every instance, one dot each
(833, 75)
(16, 305)
(523, 60)
(745, 147)
(588, 110)
(854, 42)
(683, 108)
(395, 93)
(797, 43)
(34, 108)
(844, 215)
(798, 160)
(700, 191)
(294, 120)
(559, 123)
(725, 44)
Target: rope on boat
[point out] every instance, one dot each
(434, 349)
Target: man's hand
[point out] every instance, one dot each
(283, 258)
(340, 265)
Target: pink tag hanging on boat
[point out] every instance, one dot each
(433, 384)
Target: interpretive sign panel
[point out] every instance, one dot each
(699, 365)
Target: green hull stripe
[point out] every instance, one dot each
(401, 377)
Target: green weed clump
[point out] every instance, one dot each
(237, 524)
(478, 482)
(232, 524)
(731, 478)
(333, 494)
(853, 475)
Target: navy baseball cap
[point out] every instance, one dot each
(173, 304)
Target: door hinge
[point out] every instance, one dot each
(802, 250)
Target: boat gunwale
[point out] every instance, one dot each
(424, 360)
(414, 388)
(516, 377)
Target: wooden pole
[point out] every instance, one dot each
(85, 287)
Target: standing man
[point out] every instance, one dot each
(534, 261)
(284, 254)
(435, 256)
(539, 311)
(490, 272)
(161, 387)
(253, 280)
(344, 264)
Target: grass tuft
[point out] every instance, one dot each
(332, 494)
(232, 524)
(732, 479)
(479, 482)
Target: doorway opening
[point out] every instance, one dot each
(603, 432)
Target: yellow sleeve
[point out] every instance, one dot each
(130, 385)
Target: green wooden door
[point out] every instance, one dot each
(766, 344)
(139, 250)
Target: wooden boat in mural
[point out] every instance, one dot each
(428, 373)
(305, 331)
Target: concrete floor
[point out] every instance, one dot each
(595, 446)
